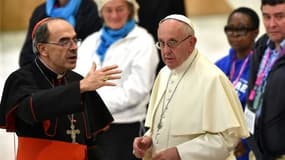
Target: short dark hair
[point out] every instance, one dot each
(271, 2)
(250, 13)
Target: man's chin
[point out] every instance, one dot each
(71, 66)
(170, 65)
(276, 38)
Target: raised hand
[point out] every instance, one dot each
(99, 78)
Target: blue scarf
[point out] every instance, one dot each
(109, 36)
(67, 12)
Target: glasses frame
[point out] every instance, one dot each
(161, 44)
(237, 31)
(66, 43)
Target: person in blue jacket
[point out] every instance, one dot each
(241, 30)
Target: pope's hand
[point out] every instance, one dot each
(140, 146)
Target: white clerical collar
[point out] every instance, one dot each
(185, 64)
(59, 75)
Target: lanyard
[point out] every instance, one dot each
(233, 69)
(266, 67)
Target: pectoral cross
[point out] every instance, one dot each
(73, 132)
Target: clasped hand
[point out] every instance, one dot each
(142, 144)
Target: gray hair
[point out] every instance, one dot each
(41, 35)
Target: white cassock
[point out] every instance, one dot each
(196, 109)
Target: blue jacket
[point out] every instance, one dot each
(225, 64)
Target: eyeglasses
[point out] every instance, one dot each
(237, 31)
(171, 43)
(66, 43)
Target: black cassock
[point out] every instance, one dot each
(35, 103)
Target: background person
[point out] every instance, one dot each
(266, 103)
(241, 30)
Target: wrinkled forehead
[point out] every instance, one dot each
(180, 18)
(60, 28)
(58, 23)
(173, 24)
(170, 29)
(273, 9)
(170, 25)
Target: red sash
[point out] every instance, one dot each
(43, 149)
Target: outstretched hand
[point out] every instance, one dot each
(99, 78)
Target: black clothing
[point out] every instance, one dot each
(267, 141)
(115, 142)
(87, 22)
(151, 12)
(36, 104)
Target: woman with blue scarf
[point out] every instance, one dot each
(121, 41)
(81, 14)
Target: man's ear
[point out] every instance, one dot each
(192, 41)
(42, 48)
